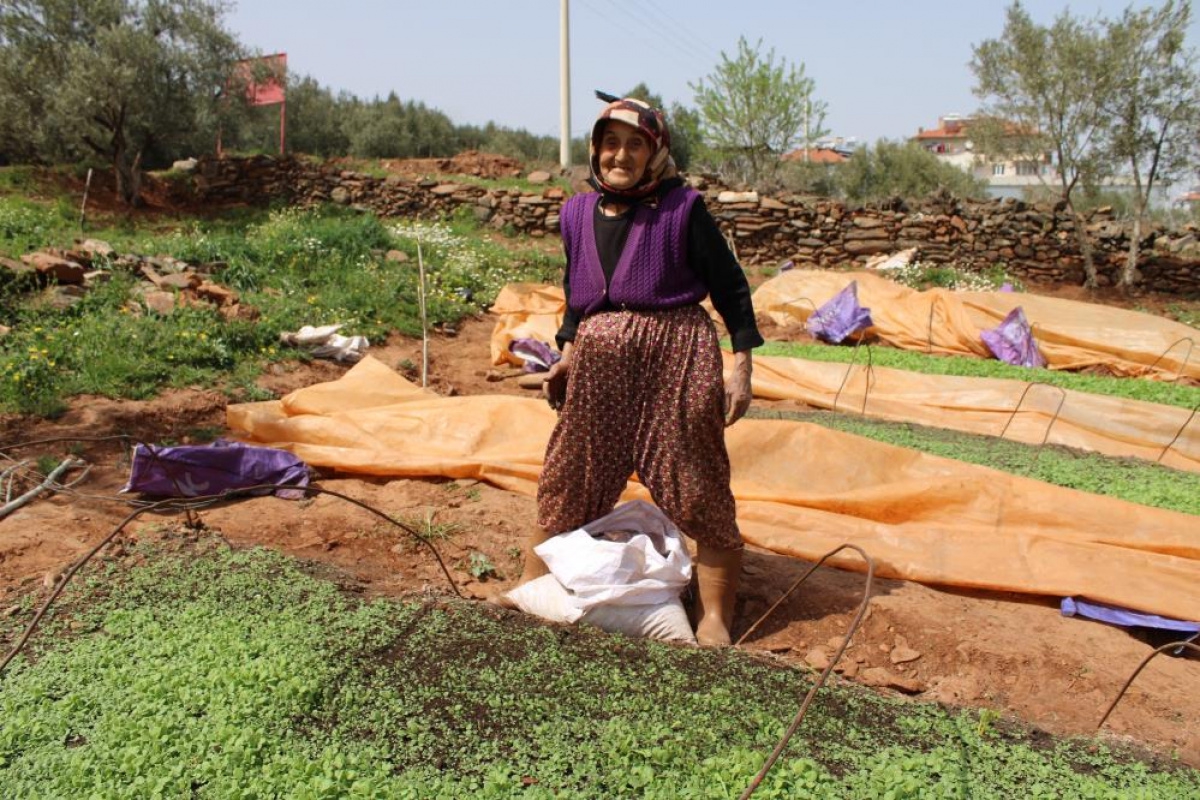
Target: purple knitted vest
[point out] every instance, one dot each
(652, 272)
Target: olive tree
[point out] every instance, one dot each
(1042, 88)
(125, 80)
(902, 169)
(1154, 106)
(753, 109)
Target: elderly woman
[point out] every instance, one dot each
(639, 387)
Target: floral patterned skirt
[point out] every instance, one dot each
(646, 395)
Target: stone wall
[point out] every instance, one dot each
(1033, 242)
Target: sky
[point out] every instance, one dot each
(884, 69)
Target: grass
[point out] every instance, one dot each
(1130, 479)
(207, 672)
(294, 267)
(1172, 394)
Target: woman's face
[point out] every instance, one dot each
(624, 153)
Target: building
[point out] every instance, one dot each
(951, 142)
(817, 155)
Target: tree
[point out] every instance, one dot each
(1043, 88)
(754, 109)
(121, 79)
(901, 169)
(1154, 106)
(314, 119)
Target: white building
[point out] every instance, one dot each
(951, 142)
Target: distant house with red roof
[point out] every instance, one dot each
(951, 142)
(817, 155)
(1191, 198)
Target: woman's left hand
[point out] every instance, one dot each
(737, 388)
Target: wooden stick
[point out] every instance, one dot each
(83, 205)
(69, 463)
(50, 480)
(424, 320)
(9, 476)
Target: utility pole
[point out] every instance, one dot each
(564, 87)
(807, 111)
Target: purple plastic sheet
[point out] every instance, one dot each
(537, 355)
(1012, 341)
(840, 317)
(198, 470)
(1114, 615)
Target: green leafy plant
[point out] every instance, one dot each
(218, 673)
(480, 566)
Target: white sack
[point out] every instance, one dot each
(633, 556)
(545, 597)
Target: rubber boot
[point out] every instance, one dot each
(717, 573)
(532, 569)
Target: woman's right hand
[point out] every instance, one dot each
(554, 385)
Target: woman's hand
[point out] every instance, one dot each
(737, 388)
(554, 385)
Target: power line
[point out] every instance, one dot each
(638, 32)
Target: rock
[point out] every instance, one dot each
(539, 176)
(886, 679)
(902, 654)
(60, 269)
(159, 302)
(868, 247)
(217, 294)
(868, 222)
(96, 277)
(340, 195)
(96, 248)
(738, 197)
(817, 658)
(239, 311)
(443, 189)
(180, 280)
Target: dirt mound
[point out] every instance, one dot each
(470, 162)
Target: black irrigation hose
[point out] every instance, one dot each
(808, 698)
(1138, 671)
(170, 503)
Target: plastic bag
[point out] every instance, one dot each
(1012, 341)
(840, 317)
(201, 470)
(537, 355)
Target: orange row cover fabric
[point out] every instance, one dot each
(1110, 425)
(802, 490)
(1070, 334)
(526, 311)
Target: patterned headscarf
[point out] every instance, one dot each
(650, 122)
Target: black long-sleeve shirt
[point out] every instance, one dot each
(709, 257)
